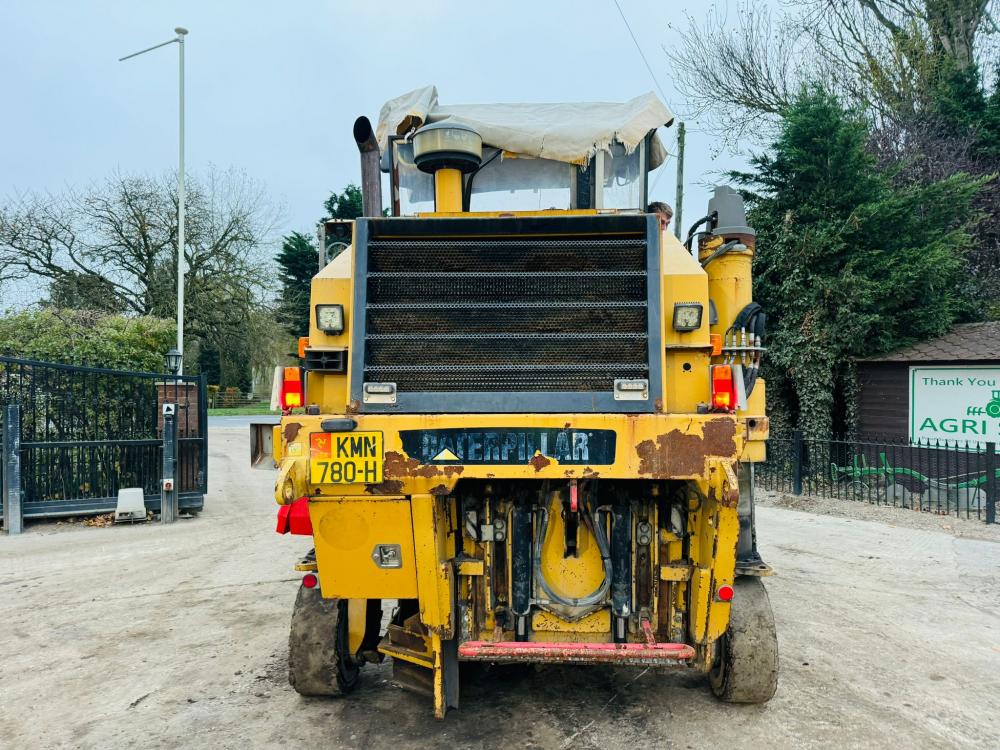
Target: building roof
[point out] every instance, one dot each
(569, 132)
(969, 342)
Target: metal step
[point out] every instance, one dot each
(638, 654)
(408, 642)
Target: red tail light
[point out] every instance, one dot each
(291, 388)
(723, 388)
(724, 593)
(294, 518)
(310, 580)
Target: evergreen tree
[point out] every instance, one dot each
(298, 261)
(848, 264)
(989, 127)
(345, 205)
(957, 100)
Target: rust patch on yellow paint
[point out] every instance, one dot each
(398, 465)
(731, 494)
(292, 431)
(388, 487)
(731, 499)
(441, 489)
(758, 428)
(677, 453)
(539, 462)
(720, 437)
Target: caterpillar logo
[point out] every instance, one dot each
(509, 445)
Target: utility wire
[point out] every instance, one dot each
(651, 75)
(641, 53)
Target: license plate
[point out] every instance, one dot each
(345, 458)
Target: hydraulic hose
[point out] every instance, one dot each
(723, 249)
(708, 218)
(747, 330)
(597, 529)
(520, 541)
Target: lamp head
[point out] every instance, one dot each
(173, 361)
(447, 145)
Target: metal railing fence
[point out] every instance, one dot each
(938, 476)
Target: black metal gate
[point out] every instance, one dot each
(86, 432)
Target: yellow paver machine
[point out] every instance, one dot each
(526, 416)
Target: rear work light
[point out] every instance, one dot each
(291, 388)
(723, 388)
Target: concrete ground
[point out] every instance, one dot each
(149, 637)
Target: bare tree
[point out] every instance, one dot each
(884, 55)
(742, 68)
(113, 247)
(119, 239)
(946, 27)
(7, 275)
(890, 55)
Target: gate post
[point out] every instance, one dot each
(168, 486)
(991, 483)
(13, 510)
(797, 462)
(203, 431)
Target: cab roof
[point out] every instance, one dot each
(569, 132)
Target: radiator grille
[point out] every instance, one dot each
(503, 314)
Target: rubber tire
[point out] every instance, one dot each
(746, 667)
(318, 662)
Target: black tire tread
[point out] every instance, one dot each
(748, 672)
(317, 664)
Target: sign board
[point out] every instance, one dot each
(956, 404)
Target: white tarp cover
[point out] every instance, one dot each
(570, 132)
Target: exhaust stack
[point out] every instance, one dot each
(371, 177)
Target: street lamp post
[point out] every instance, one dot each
(181, 196)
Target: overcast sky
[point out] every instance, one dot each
(273, 88)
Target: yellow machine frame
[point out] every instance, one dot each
(408, 513)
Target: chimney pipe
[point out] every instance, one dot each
(371, 177)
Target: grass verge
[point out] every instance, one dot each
(242, 411)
